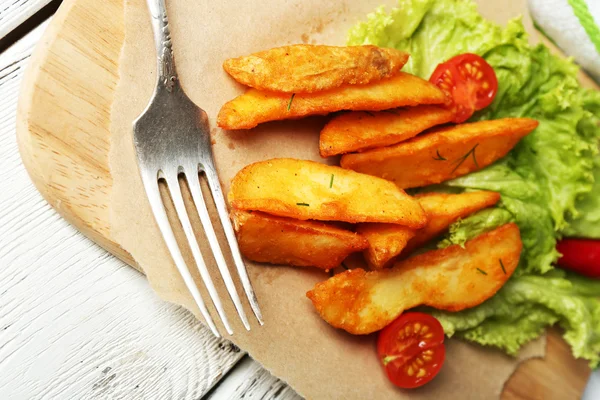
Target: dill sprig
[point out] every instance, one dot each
(439, 157)
(461, 160)
(290, 102)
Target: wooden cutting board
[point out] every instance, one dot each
(63, 129)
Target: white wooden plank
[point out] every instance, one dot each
(250, 381)
(74, 321)
(592, 390)
(14, 12)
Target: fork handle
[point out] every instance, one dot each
(167, 74)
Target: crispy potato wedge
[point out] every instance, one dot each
(309, 190)
(450, 279)
(307, 68)
(255, 106)
(286, 241)
(386, 241)
(359, 130)
(443, 153)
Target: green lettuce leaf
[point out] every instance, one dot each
(521, 310)
(544, 180)
(476, 224)
(587, 223)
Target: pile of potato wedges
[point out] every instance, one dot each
(392, 132)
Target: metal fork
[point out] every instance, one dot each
(172, 137)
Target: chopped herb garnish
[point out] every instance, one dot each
(473, 154)
(502, 266)
(303, 204)
(463, 158)
(290, 103)
(369, 113)
(481, 271)
(439, 156)
(345, 266)
(331, 181)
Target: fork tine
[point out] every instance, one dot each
(217, 193)
(175, 190)
(160, 215)
(194, 184)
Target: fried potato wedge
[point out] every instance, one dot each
(255, 106)
(443, 153)
(304, 189)
(285, 241)
(359, 130)
(450, 279)
(386, 241)
(306, 68)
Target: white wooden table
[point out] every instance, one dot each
(75, 322)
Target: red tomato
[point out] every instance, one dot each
(581, 256)
(469, 81)
(411, 349)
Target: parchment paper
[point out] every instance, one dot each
(294, 344)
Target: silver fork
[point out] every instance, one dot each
(172, 137)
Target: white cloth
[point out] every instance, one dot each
(558, 21)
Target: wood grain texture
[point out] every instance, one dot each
(75, 322)
(64, 137)
(250, 381)
(15, 12)
(558, 366)
(65, 104)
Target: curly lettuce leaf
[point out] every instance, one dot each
(544, 180)
(521, 310)
(587, 223)
(476, 224)
(433, 31)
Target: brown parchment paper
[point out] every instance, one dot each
(294, 344)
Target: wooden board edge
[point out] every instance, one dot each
(557, 365)
(28, 150)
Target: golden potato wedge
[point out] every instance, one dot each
(386, 241)
(443, 209)
(255, 106)
(277, 240)
(307, 68)
(360, 130)
(450, 279)
(443, 153)
(309, 190)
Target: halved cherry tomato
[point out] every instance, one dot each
(581, 256)
(469, 81)
(411, 349)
